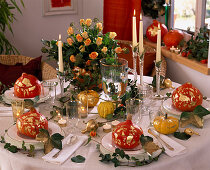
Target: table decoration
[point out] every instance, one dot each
(83, 51)
(18, 107)
(88, 98)
(105, 109)
(107, 128)
(190, 132)
(173, 38)
(82, 110)
(92, 125)
(115, 123)
(62, 122)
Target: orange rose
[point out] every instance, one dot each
(92, 133)
(112, 35)
(70, 31)
(93, 55)
(99, 26)
(87, 42)
(118, 50)
(88, 62)
(88, 22)
(82, 22)
(85, 35)
(72, 58)
(79, 38)
(99, 41)
(104, 50)
(70, 41)
(82, 48)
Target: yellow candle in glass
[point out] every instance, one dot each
(60, 55)
(158, 49)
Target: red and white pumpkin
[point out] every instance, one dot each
(186, 97)
(29, 123)
(126, 135)
(27, 86)
(151, 32)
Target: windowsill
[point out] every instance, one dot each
(193, 64)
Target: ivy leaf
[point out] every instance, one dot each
(23, 146)
(145, 139)
(201, 111)
(13, 149)
(2, 139)
(78, 159)
(181, 135)
(168, 94)
(7, 145)
(56, 140)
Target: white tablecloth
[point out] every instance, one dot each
(196, 157)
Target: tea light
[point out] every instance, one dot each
(58, 117)
(177, 51)
(172, 49)
(62, 122)
(107, 128)
(82, 112)
(115, 123)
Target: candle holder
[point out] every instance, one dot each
(135, 54)
(158, 70)
(141, 67)
(167, 6)
(61, 81)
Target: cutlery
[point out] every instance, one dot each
(158, 138)
(70, 142)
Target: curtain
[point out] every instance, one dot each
(118, 17)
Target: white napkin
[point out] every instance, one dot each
(67, 150)
(6, 111)
(178, 148)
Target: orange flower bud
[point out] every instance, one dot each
(118, 50)
(85, 35)
(87, 42)
(70, 31)
(72, 58)
(79, 38)
(104, 50)
(70, 41)
(99, 26)
(82, 22)
(92, 133)
(93, 55)
(99, 41)
(88, 22)
(112, 35)
(82, 48)
(88, 62)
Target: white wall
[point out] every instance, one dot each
(32, 26)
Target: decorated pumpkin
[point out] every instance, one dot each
(126, 135)
(166, 124)
(173, 38)
(105, 108)
(90, 96)
(186, 97)
(151, 32)
(29, 123)
(27, 86)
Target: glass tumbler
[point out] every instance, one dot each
(18, 107)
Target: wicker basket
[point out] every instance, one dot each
(48, 72)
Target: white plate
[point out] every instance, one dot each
(9, 96)
(12, 136)
(107, 147)
(168, 107)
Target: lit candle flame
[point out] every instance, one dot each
(159, 26)
(134, 13)
(83, 108)
(59, 37)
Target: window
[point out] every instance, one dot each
(189, 14)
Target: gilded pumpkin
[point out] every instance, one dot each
(27, 86)
(29, 123)
(126, 135)
(166, 124)
(105, 108)
(186, 97)
(89, 97)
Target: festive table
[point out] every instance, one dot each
(197, 155)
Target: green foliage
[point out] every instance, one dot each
(198, 46)
(78, 159)
(145, 139)
(2, 139)
(56, 140)
(11, 148)
(181, 135)
(7, 17)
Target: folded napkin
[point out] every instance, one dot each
(178, 148)
(6, 111)
(67, 150)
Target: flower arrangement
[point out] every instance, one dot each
(82, 52)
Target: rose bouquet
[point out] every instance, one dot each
(82, 52)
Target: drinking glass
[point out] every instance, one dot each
(18, 107)
(114, 77)
(153, 113)
(51, 85)
(133, 107)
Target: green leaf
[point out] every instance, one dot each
(201, 111)
(56, 140)
(185, 115)
(2, 139)
(181, 135)
(23, 146)
(145, 139)
(13, 149)
(44, 131)
(78, 159)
